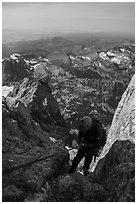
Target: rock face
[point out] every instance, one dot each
(116, 170)
(123, 124)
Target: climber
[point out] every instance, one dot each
(90, 132)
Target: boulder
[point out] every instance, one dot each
(116, 170)
(76, 188)
(12, 193)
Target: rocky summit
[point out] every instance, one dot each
(43, 99)
(14, 69)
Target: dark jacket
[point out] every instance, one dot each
(90, 138)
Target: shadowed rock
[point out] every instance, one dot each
(75, 188)
(24, 140)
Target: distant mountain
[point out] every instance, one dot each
(5, 51)
(98, 39)
(39, 46)
(44, 45)
(14, 69)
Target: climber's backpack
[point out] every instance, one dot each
(102, 136)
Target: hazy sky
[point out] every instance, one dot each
(70, 16)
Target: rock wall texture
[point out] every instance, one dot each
(116, 170)
(123, 124)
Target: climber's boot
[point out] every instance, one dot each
(86, 172)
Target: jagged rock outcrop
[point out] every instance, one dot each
(123, 124)
(116, 170)
(25, 138)
(36, 99)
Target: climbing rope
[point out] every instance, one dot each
(14, 168)
(40, 158)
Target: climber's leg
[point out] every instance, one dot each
(88, 160)
(77, 159)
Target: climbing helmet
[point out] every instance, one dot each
(85, 123)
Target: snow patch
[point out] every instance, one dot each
(6, 90)
(33, 61)
(102, 55)
(45, 103)
(15, 56)
(36, 66)
(115, 60)
(85, 57)
(111, 54)
(53, 139)
(27, 61)
(71, 57)
(122, 49)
